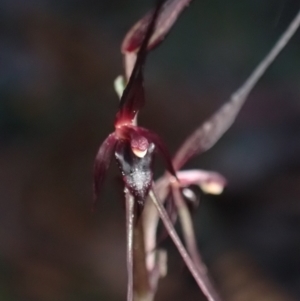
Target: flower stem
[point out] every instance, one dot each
(142, 290)
(198, 276)
(187, 229)
(138, 288)
(129, 243)
(189, 238)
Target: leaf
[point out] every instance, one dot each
(102, 163)
(167, 17)
(133, 98)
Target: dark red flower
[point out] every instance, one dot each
(132, 146)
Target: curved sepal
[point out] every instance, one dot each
(133, 97)
(102, 162)
(167, 17)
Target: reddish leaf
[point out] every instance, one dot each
(102, 162)
(167, 17)
(133, 97)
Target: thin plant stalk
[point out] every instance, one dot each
(188, 232)
(138, 281)
(150, 223)
(142, 290)
(207, 291)
(188, 229)
(129, 230)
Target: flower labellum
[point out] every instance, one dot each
(139, 146)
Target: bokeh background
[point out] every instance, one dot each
(58, 60)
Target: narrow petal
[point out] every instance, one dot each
(102, 162)
(209, 181)
(167, 17)
(133, 97)
(154, 138)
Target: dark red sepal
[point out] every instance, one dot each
(133, 97)
(167, 17)
(102, 162)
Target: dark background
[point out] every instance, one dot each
(58, 60)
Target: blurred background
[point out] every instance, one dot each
(58, 60)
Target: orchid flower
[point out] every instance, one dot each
(132, 145)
